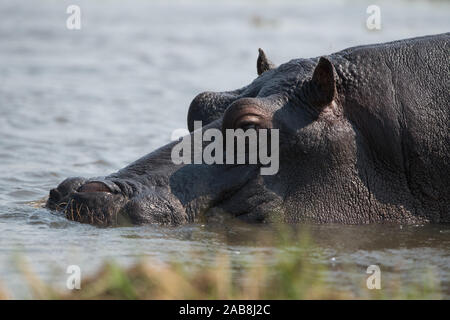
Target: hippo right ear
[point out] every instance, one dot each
(323, 84)
(262, 63)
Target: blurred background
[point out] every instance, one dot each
(88, 102)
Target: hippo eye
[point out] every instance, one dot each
(246, 116)
(248, 126)
(246, 122)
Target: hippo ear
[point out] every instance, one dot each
(263, 64)
(323, 84)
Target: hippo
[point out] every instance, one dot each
(363, 138)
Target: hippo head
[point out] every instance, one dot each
(316, 159)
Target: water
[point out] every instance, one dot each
(88, 102)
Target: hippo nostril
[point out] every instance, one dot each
(55, 195)
(94, 187)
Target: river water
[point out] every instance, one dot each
(88, 102)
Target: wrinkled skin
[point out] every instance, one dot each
(363, 139)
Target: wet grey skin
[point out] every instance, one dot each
(364, 138)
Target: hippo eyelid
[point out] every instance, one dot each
(247, 119)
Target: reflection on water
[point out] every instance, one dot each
(89, 102)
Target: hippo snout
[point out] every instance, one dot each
(95, 204)
(113, 202)
(59, 196)
(95, 201)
